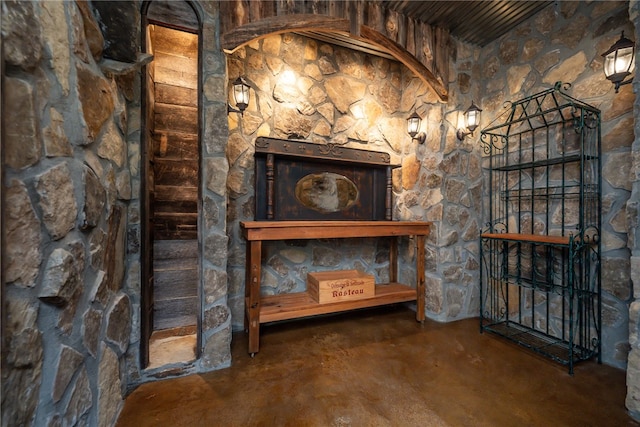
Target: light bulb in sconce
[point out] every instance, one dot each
(358, 112)
(288, 77)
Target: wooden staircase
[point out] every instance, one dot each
(175, 264)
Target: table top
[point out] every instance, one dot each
(281, 230)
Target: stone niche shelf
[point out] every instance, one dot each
(263, 309)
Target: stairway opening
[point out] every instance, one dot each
(172, 204)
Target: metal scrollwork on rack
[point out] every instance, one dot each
(591, 236)
(564, 86)
(499, 227)
(490, 142)
(591, 120)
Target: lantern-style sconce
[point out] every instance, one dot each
(471, 121)
(240, 95)
(619, 61)
(413, 128)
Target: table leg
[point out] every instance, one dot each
(252, 294)
(420, 284)
(393, 260)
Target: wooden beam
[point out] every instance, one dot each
(239, 36)
(402, 55)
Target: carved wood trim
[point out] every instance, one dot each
(321, 151)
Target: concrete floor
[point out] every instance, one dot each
(382, 368)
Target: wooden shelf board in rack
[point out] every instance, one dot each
(263, 309)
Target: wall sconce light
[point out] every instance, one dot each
(413, 128)
(619, 61)
(471, 121)
(240, 95)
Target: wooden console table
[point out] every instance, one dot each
(263, 309)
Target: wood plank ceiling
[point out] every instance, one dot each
(477, 22)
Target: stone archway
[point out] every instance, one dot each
(242, 35)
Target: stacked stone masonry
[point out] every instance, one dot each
(68, 185)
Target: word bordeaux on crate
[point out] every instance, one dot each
(340, 285)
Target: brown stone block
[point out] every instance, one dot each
(96, 99)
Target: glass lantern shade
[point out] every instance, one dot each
(619, 61)
(472, 117)
(413, 124)
(241, 93)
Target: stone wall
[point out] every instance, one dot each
(314, 91)
(633, 224)
(68, 183)
(564, 43)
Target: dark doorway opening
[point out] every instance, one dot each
(171, 173)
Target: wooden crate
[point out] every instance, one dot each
(340, 285)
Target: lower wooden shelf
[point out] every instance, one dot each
(300, 304)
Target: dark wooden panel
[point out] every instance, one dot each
(179, 206)
(333, 152)
(176, 95)
(176, 172)
(171, 192)
(178, 14)
(167, 249)
(176, 264)
(176, 221)
(276, 180)
(175, 145)
(369, 182)
(175, 313)
(176, 70)
(171, 234)
(175, 118)
(118, 22)
(171, 284)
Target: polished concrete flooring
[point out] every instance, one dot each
(382, 368)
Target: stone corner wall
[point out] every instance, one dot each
(453, 251)
(633, 223)
(68, 187)
(564, 43)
